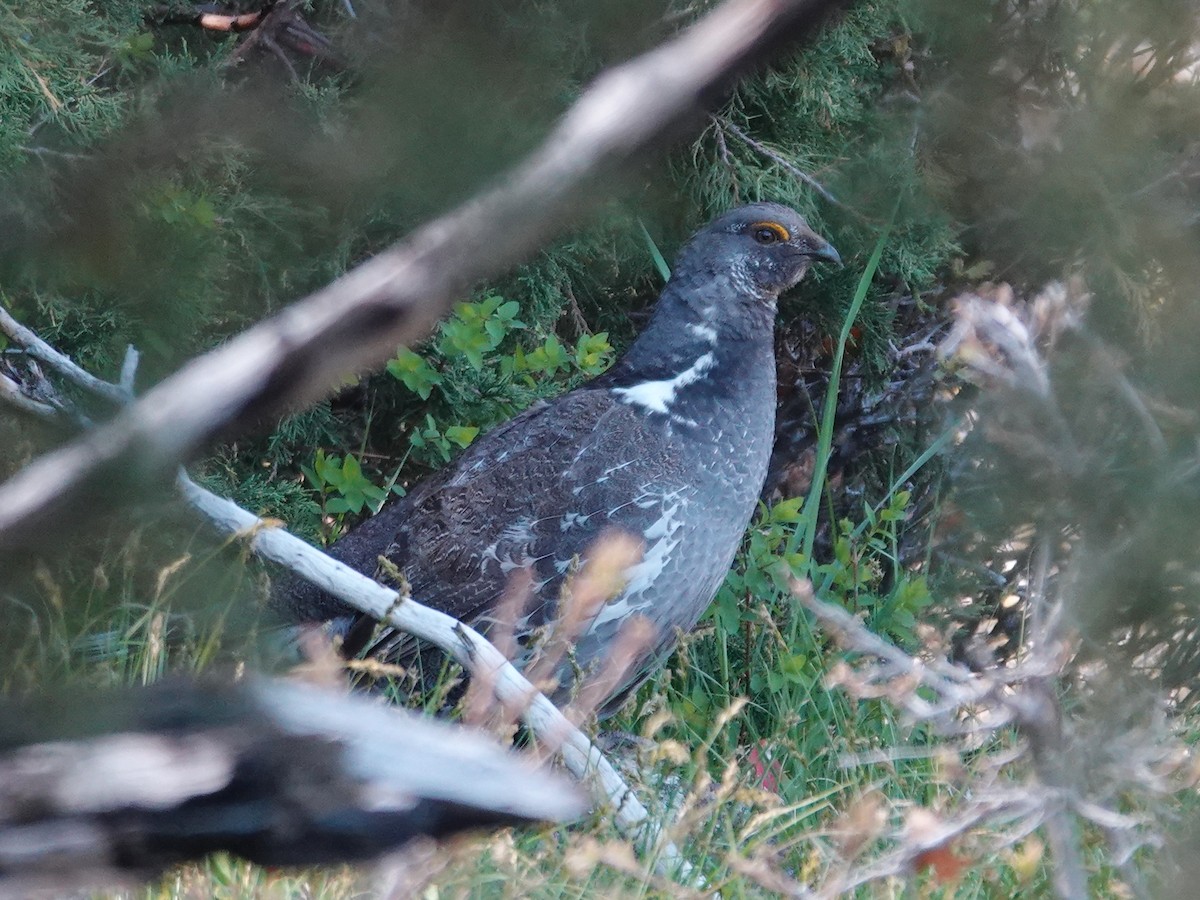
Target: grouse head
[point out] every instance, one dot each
(723, 290)
(763, 249)
(732, 271)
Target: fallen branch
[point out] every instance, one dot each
(468, 648)
(35, 347)
(465, 645)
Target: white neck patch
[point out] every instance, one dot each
(657, 396)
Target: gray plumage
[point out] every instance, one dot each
(671, 445)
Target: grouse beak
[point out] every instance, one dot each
(827, 252)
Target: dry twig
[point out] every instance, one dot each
(1035, 760)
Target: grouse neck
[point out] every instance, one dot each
(689, 369)
(687, 336)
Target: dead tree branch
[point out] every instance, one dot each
(487, 665)
(33, 346)
(974, 705)
(464, 644)
(723, 124)
(277, 771)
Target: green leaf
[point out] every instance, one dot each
(202, 213)
(787, 511)
(825, 430)
(462, 435)
(547, 359)
(415, 372)
(913, 594)
(593, 353)
(137, 47)
(328, 468)
(495, 330)
(660, 263)
(726, 611)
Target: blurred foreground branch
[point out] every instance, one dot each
(356, 323)
(1073, 736)
(98, 787)
(1012, 788)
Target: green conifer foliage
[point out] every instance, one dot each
(167, 199)
(158, 196)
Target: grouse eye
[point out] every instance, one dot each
(769, 232)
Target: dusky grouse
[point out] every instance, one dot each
(670, 445)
